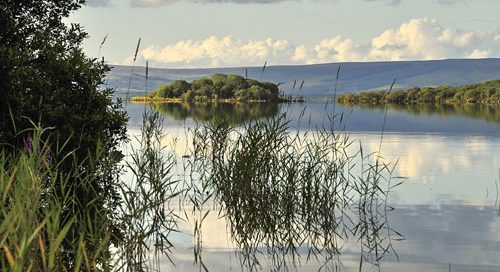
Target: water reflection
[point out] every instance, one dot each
(459, 235)
(288, 198)
(229, 112)
(438, 165)
(241, 228)
(489, 113)
(453, 234)
(306, 116)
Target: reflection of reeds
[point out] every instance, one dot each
(283, 192)
(289, 197)
(385, 119)
(147, 217)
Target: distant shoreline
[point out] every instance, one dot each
(147, 100)
(449, 103)
(487, 93)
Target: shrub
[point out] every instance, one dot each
(46, 78)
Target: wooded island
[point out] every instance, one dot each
(218, 88)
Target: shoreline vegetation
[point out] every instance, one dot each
(480, 93)
(220, 88)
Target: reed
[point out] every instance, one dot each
(132, 69)
(146, 213)
(282, 192)
(35, 235)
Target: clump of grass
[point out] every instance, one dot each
(147, 216)
(45, 225)
(34, 233)
(283, 191)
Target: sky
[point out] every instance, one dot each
(240, 33)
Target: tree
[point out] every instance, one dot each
(237, 82)
(472, 96)
(202, 83)
(46, 78)
(397, 97)
(179, 87)
(165, 90)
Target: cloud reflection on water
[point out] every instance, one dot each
(445, 211)
(463, 235)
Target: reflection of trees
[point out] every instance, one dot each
(289, 198)
(228, 112)
(486, 112)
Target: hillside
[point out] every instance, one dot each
(319, 79)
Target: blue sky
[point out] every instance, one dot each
(214, 33)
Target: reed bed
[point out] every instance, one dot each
(288, 198)
(37, 233)
(47, 222)
(283, 193)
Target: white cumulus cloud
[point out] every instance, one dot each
(478, 54)
(156, 3)
(416, 39)
(214, 51)
(427, 39)
(337, 49)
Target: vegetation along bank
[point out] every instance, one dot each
(481, 93)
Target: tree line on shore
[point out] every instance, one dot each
(481, 93)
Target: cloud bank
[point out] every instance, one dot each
(417, 39)
(156, 3)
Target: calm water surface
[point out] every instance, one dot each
(446, 212)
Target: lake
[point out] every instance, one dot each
(445, 216)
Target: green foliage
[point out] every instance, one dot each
(46, 78)
(179, 87)
(484, 93)
(164, 90)
(36, 233)
(220, 86)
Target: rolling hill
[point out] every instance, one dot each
(319, 79)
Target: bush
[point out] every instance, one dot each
(46, 78)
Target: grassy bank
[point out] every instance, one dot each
(149, 99)
(154, 99)
(52, 218)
